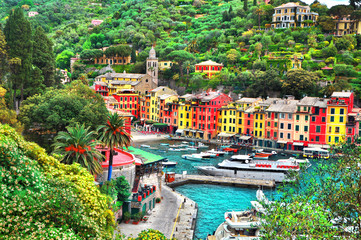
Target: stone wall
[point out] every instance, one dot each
(127, 171)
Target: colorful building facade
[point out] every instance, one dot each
(209, 67)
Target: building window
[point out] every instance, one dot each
(290, 116)
(181, 123)
(282, 115)
(313, 119)
(341, 119)
(306, 128)
(248, 122)
(323, 119)
(329, 138)
(306, 118)
(281, 125)
(289, 126)
(268, 124)
(332, 119)
(239, 121)
(224, 128)
(317, 138)
(281, 135)
(275, 134)
(336, 139)
(329, 129)
(288, 135)
(297, 117)
(332, 111)
(297, 128)
(301, 137)
(337, 129)
(318, 129)
(275, 124)
(268, 134)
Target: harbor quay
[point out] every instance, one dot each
(220, 180)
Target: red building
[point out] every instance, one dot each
(318, 122)
(209, 67)
(101, 88)
(205, 117)
(127, 119)
(128, 101)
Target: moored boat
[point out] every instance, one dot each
(145, 146)
(164, 144)
(202, 145)
(195, 156)
(169, 164)
(174, 150)
(212, 155)
(218, 153)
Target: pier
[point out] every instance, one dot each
(218, 180)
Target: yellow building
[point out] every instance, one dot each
(163, 65)
(293, 15)
(185, 113)
(241, 119)
(227, 125)
(209, 67)
(336, 122)
(259, 122)
(346, 26)
(164, 93)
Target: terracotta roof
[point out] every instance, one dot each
(209, 63)
(291, 4)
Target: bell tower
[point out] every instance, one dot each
(152, 66)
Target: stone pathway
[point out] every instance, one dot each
(164, 215)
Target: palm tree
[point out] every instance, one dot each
(78, 146)
(112, 135)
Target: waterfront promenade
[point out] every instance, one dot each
(220, 180)
(175, 216)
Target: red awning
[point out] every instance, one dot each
(326, 68)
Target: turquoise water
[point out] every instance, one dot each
(213, 201)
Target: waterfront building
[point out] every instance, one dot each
(292, 14)
(145, 108)
(340, 104)
(209, 67)
(317, 134)
(286, 123)
(227, 125)
(302, 121)
(245, 120)
(156, 95)
(184, 113)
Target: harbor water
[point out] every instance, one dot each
(212, 200)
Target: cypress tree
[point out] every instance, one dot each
(3, 56)
(18, 37)
(254, 2)
(133, 56)
(245, 5)
(43, 56)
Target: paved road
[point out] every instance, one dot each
(162, 217)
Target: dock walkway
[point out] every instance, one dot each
(218, 180)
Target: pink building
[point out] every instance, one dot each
(97, 22)
(32, 14)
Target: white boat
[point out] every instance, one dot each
(253, 169)
(239, 225)
(195, 156)
(186, 143)
(173, 146)
(192, 148)
(244, 158)
(169, 164)
(174, 150)
(202, 145)
(316, 153)
(212, 155)
(164, 144)
(145, 146)
(218, 153)
(153, 148)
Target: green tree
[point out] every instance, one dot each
(329, 51)
(245, 5)
(340, 11)
(58, 108)
(8, 116)
(43, 56)
(299, 82)
(112, 135)
(77, 145)
(63, 59)
(327, 23)
(232, 56)
(122, 188)
(4, 67)
(180, 56)
(133, 56)
(265, 82)
(19, 40)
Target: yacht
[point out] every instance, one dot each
(202, 145)
(212, 155)
(195, 156)
(218, 153)
(252, 169)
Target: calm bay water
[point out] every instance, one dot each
(212, 200)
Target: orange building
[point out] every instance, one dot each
(209, 67)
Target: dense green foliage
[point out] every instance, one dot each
(77, 145)
(44, 199)
(58, 108)
(322, 203)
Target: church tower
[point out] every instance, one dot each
(152, 66)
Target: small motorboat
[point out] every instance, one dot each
(153, 148)
(242, 158)
(202, 145)
(262, 156)
(218, 153)
(212, 155)
(145, 146)
(224, 146)
(173, 146)
(164, 144)
(234, 150)
(186, 143)
(192, 148)
(169, 164)
(174, 150)
(195, 156)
